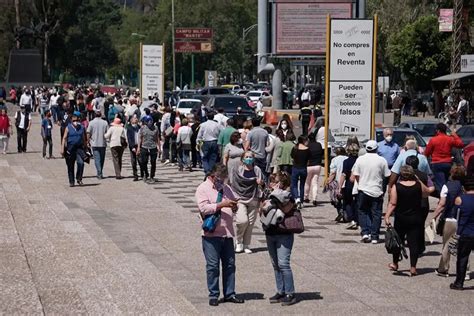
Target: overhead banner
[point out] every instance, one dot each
(152, 70)
(351, 77)
(300, 25)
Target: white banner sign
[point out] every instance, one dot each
(351, 78)
(467, 63)
(152, 79)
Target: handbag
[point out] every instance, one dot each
(169, 131)
(394, 244)
(209, 222)
(123, 142)
(440, 226)
(291, 224)
(454, 240)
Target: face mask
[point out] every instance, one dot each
(284, 126)
(248, 161)
(75, 123)
(388, 139)
(218, 184)
(134, 124)
(240, 141)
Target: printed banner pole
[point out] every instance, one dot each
(140, 79)
(374, 74)
(326, 98)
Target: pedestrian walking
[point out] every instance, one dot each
(299, 172)
(149, 146)
(305, 118)
(207, 136)
(439, 149)
(315, 159)
(284, 150)
(446, 215)
(232, 155)
(257, 142)
(212, 197)
(46, 134)
(72, 149)
(246, 180)
(465, 231)
(332, 182)
(183, 142)
(224, 136)
(280, 244)
(133, 130)
(117, 138)
(348, 189)
(369, 171)
(23, 125)
(6, 130)
(96, 139)
(405, 203)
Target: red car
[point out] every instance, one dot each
(469, 156)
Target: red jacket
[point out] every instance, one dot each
(440, 146)
(4, 125)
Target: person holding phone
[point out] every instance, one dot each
(212, 196)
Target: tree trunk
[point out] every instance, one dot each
(17, 14)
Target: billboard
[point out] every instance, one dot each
(351, 79)
(152, 70)
(467, 63)
(301, 25)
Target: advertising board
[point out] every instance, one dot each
(151, 69)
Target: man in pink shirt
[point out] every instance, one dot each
(214, 196)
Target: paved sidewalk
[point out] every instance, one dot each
(123, 247)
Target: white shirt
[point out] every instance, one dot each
(26, 99)
(371, 169)
(22, 120)
(259, 106)
(53, 101)
(461, 104)
(305, 96)
(221, 119)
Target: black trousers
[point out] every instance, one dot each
(411, 230)
(305, 126)
(465, 246)
(22, 139)
(47, 140)
(151, 154)
(135, 161)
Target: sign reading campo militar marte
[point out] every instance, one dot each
(152, 64)
(351, 78)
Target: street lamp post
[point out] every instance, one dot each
(172, 48)
(140, 36)
(245, 32)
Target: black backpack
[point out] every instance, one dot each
(394, 244)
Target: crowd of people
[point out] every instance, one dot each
(248, 167)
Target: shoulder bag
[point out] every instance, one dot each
(209, 222)
(291, 224)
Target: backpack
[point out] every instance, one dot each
(394, 244)
(113, 111)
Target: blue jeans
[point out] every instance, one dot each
(74, 157)
(441, 174)
(298, 174)
(279, 248)
(370, 214)
(217, 249)
(209, 155)
(99, 159)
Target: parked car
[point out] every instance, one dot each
(253, 96)
(213, 91)
(466, 133)
(399, 135)
(230, 103)
(186, 105)
(427, 129)
(232, 87)
(186, 94)
(242, 92)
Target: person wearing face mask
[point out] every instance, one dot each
(387, 148)
(5, 130)
(224, 136)
(116, 135)
(23, 125)
(72, 148)
(148, 147)
(284, 126)
(218, 246)
(133, 130)
(232, 153)
(246, 180)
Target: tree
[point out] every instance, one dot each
(420, 51)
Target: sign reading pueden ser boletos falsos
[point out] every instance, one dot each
(351, 60)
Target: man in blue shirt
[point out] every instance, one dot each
(387, 148)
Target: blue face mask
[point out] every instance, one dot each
(248, 161)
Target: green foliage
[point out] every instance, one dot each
(420, 51)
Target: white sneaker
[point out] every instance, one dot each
(468, 276)
(239, 248)
(365, 239)
(352, 225)
(374, 241)
(247, 250)
(166, 162)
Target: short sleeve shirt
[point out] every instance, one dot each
(371, 169)
(258, 138)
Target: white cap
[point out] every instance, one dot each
(371, 145)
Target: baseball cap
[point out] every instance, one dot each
(371, 145)
(76, 114)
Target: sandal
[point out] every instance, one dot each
(393, 267)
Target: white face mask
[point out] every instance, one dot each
(388, 139)
(75, 123)
(284, 126)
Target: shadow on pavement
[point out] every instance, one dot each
(309, 296)
(88, 185)
(259, 249)
(251, 296)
